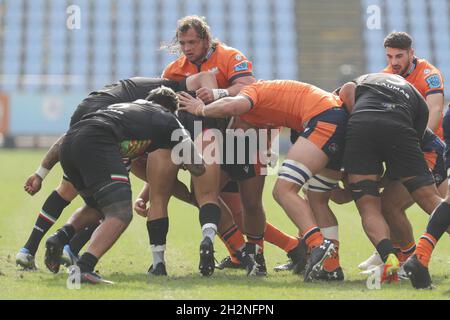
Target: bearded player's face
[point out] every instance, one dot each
(399, 59)
(192, 46)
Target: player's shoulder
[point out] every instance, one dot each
(428, 76)
(426, 67)
(229, 52)
(177, 64)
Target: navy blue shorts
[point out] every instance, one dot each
(327, 131)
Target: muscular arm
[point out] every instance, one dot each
(238, 84)
(52, 155)
(34, 182)
(208, 86)
(347, 95)
(435, 103)
(223, 108)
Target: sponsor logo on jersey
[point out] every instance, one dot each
(333, 148)
(243, 66)
(134, 148)
(427, 71)
(434, 81)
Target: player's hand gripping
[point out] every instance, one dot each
(191, 104)
(205, 94)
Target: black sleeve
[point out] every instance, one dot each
(422, 117)
(173, 124)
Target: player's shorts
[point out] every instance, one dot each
(327, 131)
(245, 164)
(231, 187)
(90, 157)
(433, 151)
(376, 137)
(240, 172)
(126, 162)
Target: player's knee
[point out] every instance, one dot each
(114, 201)
(321, 184)
(363, 188)
(295, 173)
(67, 191)
(278, 193)
(418, 182)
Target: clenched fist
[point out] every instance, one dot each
(33, 184)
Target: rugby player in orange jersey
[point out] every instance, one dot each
(320, 117)
(428, 80)
(199, 53)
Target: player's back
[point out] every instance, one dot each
(126, 90)
(393, 96)
(139, 125)
(286, 103)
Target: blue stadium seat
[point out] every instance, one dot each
(396, 16)
(157, 20)
(148, 44)
(194, 8)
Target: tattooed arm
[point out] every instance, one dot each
(34, 182)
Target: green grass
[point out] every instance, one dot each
(127, 262)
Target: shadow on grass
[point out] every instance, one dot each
(222, 281)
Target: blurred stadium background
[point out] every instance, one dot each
(53, 52)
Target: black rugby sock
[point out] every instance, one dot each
(81, 238)
(87, 262)
(157, 233)
(209, 219)
(50, 212)
(384, 248)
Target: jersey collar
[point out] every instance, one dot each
(208, 54)
(411, 69)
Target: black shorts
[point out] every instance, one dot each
(231, 187)
(376, 137)
(90, 157)
(243, 162)
(240, 172)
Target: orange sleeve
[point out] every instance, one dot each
(238, 66)
(250, 93)
(433, 83)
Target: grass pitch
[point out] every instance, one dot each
(126, 264)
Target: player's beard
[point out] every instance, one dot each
(405, 70)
